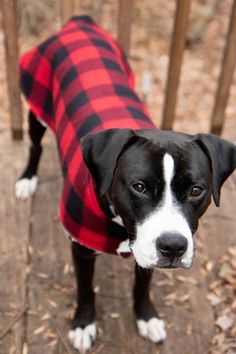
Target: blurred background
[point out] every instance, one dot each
(152, 24)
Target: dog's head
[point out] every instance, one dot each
(159, 183)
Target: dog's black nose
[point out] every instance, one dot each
(172, 245)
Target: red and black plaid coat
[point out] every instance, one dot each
(78, 81)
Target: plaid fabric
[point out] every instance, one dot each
(78, 81)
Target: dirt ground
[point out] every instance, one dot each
(212, 282)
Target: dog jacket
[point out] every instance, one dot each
(78, 82)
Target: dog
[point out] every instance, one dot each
(128, 188)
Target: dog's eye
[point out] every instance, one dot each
(139, 187)
(196, 191)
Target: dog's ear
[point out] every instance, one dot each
(222, 156)
(101, 151)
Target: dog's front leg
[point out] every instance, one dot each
(148, 323)
(83, 332)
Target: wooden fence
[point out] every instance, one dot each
(9, 15)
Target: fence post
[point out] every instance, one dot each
(9, 18)
(66, 7)
(226, 76)
(176, 53)
(124, 24)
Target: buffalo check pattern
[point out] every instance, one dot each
(78, 81)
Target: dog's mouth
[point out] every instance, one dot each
(169, 266)
(166, 264)
(155, 261)
(175, 264)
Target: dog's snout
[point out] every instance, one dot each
(172, 245)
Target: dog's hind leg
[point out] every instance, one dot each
(148, 323)
(83, 331)
(27, 183)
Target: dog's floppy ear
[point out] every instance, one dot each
(101, 151)
(222, 155)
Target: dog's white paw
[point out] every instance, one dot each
(154, 329)
(25, 187)
(83, 338)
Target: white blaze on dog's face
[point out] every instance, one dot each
(159, 184)
(160, 193)
(167, 219)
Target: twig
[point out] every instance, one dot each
(60, 336)
(9, 328)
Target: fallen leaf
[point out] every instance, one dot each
(66, 268)
(168, 275)
(52, 303)
(57, 286)
(232, 281)
(225, 271)
(200, 244)
(39, 330)
(114, 315)
(214, 284)
(10, 313)
(171, 296)
(28, 269)
(45, 317)
(164, 283)
(229, 348)
(53, 343)
(49, 334)
(96, 289)
(232, 251)
(30, 250)
(203, 272)
(219, 339)
(213, 299)
(224, 259)
(32, 313)
(218, 291)
(186, 279)
(170, 325)
(224, 322)
(233, 330)
(184, 298)
(111, 274)
(209, 266)
(25, 349)
(42, 275)
(233, 263)
(189, 329)
(170, 299)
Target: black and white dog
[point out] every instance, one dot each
(160, 183)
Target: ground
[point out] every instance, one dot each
(37, 294)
